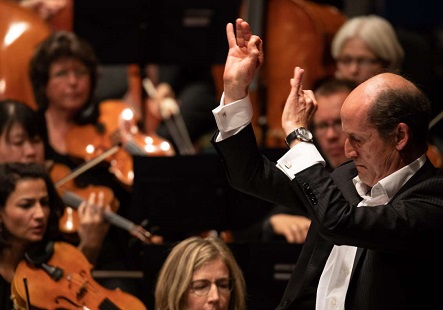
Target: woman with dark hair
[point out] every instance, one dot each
(20, 136)
(21, 142)
(63, 72)
(30, 209)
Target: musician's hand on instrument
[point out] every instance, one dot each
(44, 8)
(162, 103)
(245, 57)
(93, 227)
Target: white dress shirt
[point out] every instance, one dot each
(334, 280)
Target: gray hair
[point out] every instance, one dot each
(379, 36)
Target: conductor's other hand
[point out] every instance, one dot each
(300, 106)
(245, 57)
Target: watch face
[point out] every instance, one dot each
(304, 134)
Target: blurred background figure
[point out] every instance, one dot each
(365, 46)
(184, 118)
(63, 71)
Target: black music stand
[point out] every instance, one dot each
(185, 195)
(180, 195)
(166, 31)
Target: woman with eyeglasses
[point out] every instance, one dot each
(64, 71)
(200, 273)
(365, 46)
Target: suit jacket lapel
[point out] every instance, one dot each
(421, 174)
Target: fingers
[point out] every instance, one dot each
(297, 232)
(296, 82)
(241, 36)
(243, 33)
(94, 206)
(232, 42)
(101, 200)
(91, 199)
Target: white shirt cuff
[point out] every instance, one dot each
(232, 117)
(298, 158)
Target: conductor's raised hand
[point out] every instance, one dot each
(245, 57)
(300, 106)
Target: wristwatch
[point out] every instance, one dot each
(300, 133)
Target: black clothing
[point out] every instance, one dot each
(398, 260)
(5, 294)
(114, 254)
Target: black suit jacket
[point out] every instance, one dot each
(399, 261)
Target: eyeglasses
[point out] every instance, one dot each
(64, 74)
(322, 127)
(361, 62)
(202, 287)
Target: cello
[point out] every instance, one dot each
(57, 276)
(21, 30)
(303, 30)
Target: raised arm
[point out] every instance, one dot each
(245, 57)
(299, 107)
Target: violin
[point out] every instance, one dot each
(74, 196)
(117, 125)
(69, 222)
(59, 277)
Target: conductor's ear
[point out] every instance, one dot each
(402, 135)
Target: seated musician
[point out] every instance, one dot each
(20, 141)
(30, 210)
(63, 73)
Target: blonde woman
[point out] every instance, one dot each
(200, 273)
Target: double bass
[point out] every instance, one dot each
(304, 31)
(21, 30)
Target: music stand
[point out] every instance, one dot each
(166, 31)
(180, 195)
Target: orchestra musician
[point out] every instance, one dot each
(21, 141)
(63, 72)
(30, 210)
(365, 46)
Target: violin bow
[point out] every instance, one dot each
(137, 231)
(174, 121)
(435, 120)
(87, 165)
(28, 299)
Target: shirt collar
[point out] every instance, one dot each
(391, 184)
